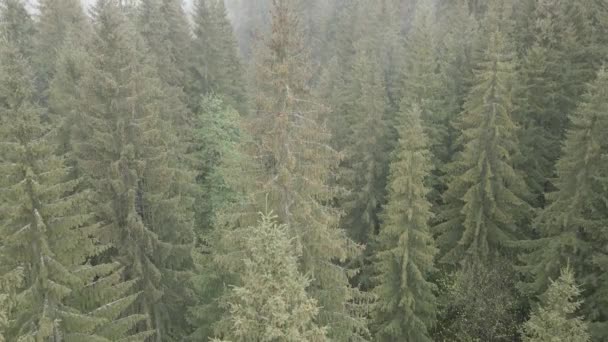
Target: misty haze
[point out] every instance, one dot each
(303, 170)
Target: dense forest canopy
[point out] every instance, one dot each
(303, 170)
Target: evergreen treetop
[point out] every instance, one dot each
(17, 26)
(271, 302)
(486, 197)
(125, 145)
(406, 301)
(553, 320)
(58, 21)
(296, 166)
(572, 224)
(216, 65)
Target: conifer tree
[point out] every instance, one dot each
(405, 310)
(57, 20)
(554, 320)
(552, 78)
(337, 76)
(219, 138)
(485, 199)
(572, 224)
(360, 120)
(316, 16)
(423, 77)
(124, 147)
(421, 65)
(216, 65)
(271, 303)
(18, 26)
(538, 144)
(9, 283)
(164, 26)
(363, 170)
(394, 13)
(45, 223)
(458, 37)
(64, 93)
(296, 164)
(223, 174)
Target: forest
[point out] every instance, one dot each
(303, 170)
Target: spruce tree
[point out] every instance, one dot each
(458, 36)
(9, 283)
(361, 127)
(405, 309)
(539, 146)
(363, 169)
(572, 224)
(552, 79)
(296, 163)
(57, 20)
(45, 223)
(124, 145)
(485, 200)
(223, 174)
(164, 26)
(64, 93)
(219, 137)
(337, 76)
(316, 16)
(554, 320)
(216, 66)
(420, 72)
(423, 77)
(18, 26)
(271, 302)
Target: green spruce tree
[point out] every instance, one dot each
(64, 94)
(165, 29)
(219, 138)
(485, 200)
(125, 147)
(423, 76)
(554, 320)
(271, 302)
(405, 309)
(296, 164)
(164, 26)
(223, 174)
(552, 79)
(18, 26)
(337, 76)
(57, 20)
(572, 224)
(360, 124)
(9, 283)
(363, 169)
(216, 66)
(46, 224)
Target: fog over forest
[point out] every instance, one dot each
(303, 171)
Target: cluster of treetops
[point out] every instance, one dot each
(328, 170)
